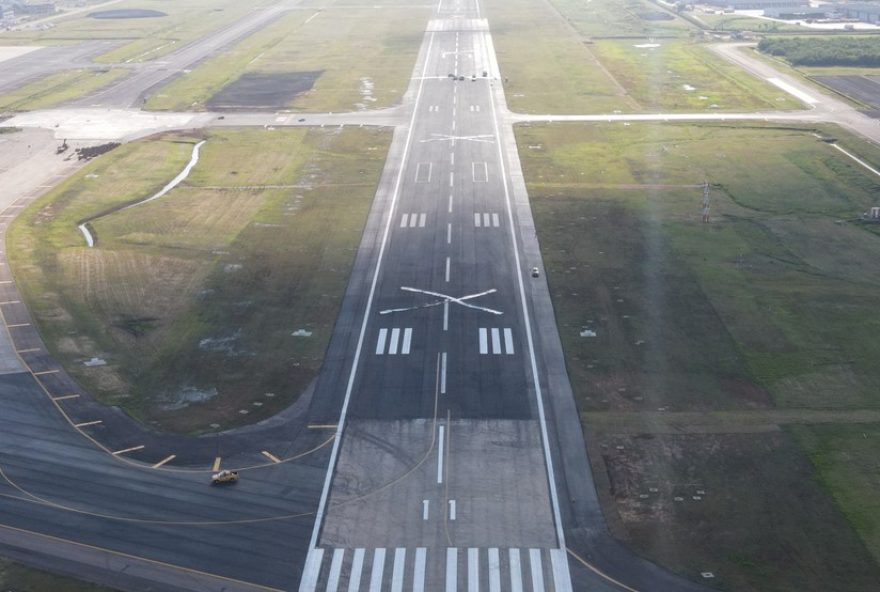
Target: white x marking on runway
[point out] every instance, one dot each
(488, 138)
(445, 298)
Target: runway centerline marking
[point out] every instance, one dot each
(441, 432)
(448, 263)
(452, 510)
(443, 374)
(425, 506)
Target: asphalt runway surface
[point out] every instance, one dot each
(440, 448)
(864, 89)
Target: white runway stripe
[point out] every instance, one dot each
(335, 570)
(473, 570)
(496, 341)
(380, 343)
(451, 569)
(537, 572)
(378, 570)
(422, 220)
(397, 570)
(407, 341)
(515, 571)
(484, 346)
(312, 570)
(404, 221)
(357, 567)
(419, 570)
(495, 221)
(494, 570)
(478, 219)
(395, 337)
(508, 342)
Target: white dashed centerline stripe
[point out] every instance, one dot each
(378, 570)
(335, 570)
(484, 343)
(452, 509)
(537, 572)
(452, 158)
(449, 233)
(450, 203)
(397, 570)
(443, 374)
(496, 341)
(508, 342)
(451, 569)
(426, 504)
(448, 263)
(446, 316)
(395, 338)
(407, 341)
(515, 571)
(494, 571)
(441, 432)
(380, 343)
(357, 567)
(473, 570)
(451, 178)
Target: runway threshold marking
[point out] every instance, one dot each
(127, 450)
(86, 424)
(164, 461)
(270, 456)
(216, 466)
(65, 397)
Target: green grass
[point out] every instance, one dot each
(619, 18)
(750, 321)
(201, 290)
(546, 67)
(686, 76)
(845, 457)
(16, 577)
(145, 38)
(352, 47)
(58, 88)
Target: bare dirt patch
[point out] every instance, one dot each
(257, 90)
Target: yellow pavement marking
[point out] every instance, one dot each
(322, 426)
(216, 466)
(136, 558)
(28, 351)
(88, 423)
(65, 397)
(599, 572)
(18, 325)
(46, 372)
(271, 457)
(132, 449)
(164, 461)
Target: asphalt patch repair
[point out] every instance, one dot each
(258, 90)
(126, 13)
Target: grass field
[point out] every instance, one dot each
(620, 18)
(682, 75)
(58, 88)
(15, 577)
(546, 66)
(193, 299)
(365, 56)
(140, 39)
(724, 327)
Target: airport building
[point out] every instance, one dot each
(868, 12)
(755, 4)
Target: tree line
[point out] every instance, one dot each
(837, 51)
